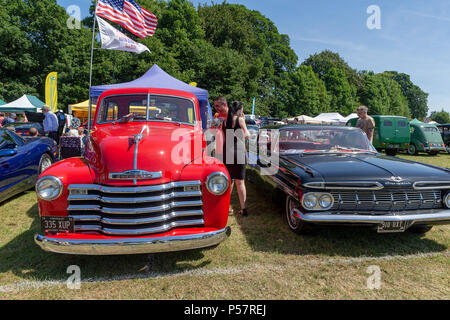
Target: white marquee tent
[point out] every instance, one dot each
(331, 118)
(19, 105)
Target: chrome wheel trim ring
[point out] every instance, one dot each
(292, 220)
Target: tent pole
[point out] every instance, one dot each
(90, 71)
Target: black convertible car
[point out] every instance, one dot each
(332, 175)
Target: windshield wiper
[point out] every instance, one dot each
(352, 149)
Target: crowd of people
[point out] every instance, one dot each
(54, 126)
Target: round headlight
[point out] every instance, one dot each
(326, 201)
(447, 200)
(310, 201)
(49, 188)
(217, 183)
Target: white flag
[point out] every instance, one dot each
(113, 39)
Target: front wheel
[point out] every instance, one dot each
(412, 150)
(294, 222)
(44, 163)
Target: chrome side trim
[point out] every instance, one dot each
(345, 185)
(122, 246)
(425, 216)
(431, 185)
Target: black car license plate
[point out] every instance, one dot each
(57, 224)
(392, 226)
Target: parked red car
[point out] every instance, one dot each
(143, 186)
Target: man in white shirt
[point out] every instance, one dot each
(50, 123)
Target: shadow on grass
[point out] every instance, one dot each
(25, 259)
(266, 230)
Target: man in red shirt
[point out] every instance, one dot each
(221, 106)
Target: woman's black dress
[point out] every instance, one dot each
(236, 165)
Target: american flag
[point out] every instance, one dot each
(128, 14)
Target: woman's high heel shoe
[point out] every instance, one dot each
(243, 212)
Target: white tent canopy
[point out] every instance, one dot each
(303, 119)
(334, 118)
(19, 105)
(351, 116)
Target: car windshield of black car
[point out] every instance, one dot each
(323, 140)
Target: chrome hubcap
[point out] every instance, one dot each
(292, 218)
(45, 164)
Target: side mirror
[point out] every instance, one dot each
(8, 152)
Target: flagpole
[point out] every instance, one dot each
(90, 71)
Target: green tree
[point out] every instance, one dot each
(307, 93)
(417, 98)
(322, 63)
(342, 95)
(267, 54)
(383, 96)
(441, 117)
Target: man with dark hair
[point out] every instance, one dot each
(221, 106)
(365, 122)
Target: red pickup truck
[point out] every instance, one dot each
(145, 184)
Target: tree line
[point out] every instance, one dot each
(226, 48)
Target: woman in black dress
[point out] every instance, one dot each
(234, 153)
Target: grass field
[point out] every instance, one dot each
(262, 259)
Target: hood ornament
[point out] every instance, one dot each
(136, 174)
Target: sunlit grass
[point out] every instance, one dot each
(262, 259)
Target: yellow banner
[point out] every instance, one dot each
(51, 91)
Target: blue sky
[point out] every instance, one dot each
(414, 35)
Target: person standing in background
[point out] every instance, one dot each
(234, 145)
(50, 123)
(365, 122)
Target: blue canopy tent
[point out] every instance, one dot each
(156, 77)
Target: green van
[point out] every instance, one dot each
(391, 134)
(425, 137)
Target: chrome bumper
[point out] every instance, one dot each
(435, 149)
(131, 245)
(421, 217)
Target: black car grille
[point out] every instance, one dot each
(386, 200)
(136, 211)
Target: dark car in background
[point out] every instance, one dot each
(445, 133)
(425, 137)
(22, 160)
(330, 175)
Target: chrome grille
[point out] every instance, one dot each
(386, 200)
(136, 210)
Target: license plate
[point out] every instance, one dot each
(392, 226)
(57, 224)
(394, 146)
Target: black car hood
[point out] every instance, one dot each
(368, 167)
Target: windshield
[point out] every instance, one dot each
(143, 107)
(314, 140)
(6, 140)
